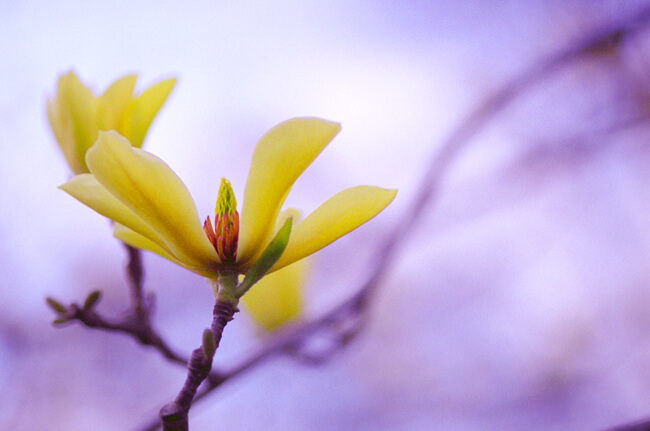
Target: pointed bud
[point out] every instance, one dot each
(56, 306)
(92, 299)
(209, 344)
(225, 235)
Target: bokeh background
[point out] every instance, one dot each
(521, 299)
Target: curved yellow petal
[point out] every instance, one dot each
(61, 125)
(79, 101)
(280, 156)
(149, 187)
(339, 215)
(89, 192)
(136, 240)
(277, 298)
(144, 109)
(113, 104)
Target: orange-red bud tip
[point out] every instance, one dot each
(225, 235)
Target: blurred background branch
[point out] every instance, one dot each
(136, 321)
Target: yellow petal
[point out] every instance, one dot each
(280, 156)
(113, 104)
(147, 186)
(341, 214)
(79, 101)
(277, 298)
(143, 110)
(61, 125)
(89, 192)
(136, 240)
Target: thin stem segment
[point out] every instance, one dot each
(174, 415)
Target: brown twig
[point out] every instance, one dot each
(174, 415)
(130, 324)
(135, 321)
(135, 274)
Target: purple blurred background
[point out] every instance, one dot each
(521, 301)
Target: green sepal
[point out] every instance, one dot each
(209, 344)
(92, 299)
(60, 321)
(56, 306)
(268, 258)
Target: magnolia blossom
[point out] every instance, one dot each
(153, 209)
(76, 116)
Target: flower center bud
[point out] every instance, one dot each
(225, 235)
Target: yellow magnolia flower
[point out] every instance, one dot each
(76, 116)
(153, 209)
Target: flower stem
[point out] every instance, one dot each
(174, 415)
